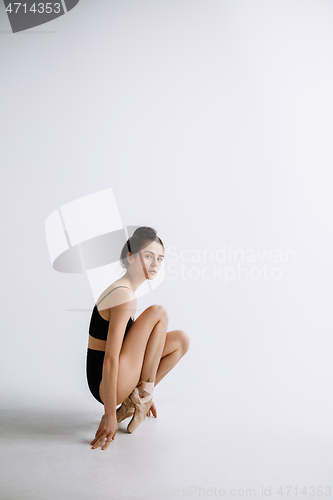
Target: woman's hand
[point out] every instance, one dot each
(152, 411)
(107, 430)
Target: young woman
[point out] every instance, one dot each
(126, 359)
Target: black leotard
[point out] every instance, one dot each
(98, 329)
(99, 326)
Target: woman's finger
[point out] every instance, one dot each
(97, 436)
(97, 441)
(94, 440)
(107, 442)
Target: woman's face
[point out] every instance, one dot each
(149, 259)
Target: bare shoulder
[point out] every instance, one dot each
(116, 294)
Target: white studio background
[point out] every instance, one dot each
(212, 122)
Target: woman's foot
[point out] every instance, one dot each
(152, 411)
(126, 410)
(141, 397)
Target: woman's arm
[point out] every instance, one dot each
(119, 316)
(109, 385)
(108, 426)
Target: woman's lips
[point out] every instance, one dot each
(152, 272)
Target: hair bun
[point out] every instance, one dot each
(144, 231)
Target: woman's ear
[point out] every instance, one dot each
(129, 257)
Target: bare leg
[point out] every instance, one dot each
(166, 364)
(176, 345)
(143, 393)
(154, 351)
(134, 350)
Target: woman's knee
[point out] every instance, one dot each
(159, 312)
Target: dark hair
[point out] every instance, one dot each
(141, 237)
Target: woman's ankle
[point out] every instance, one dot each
(145, 388)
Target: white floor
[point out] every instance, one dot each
(192, 450)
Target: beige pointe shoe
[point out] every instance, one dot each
(141, 397)
(125, 410)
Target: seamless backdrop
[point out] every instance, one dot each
(212, 122)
